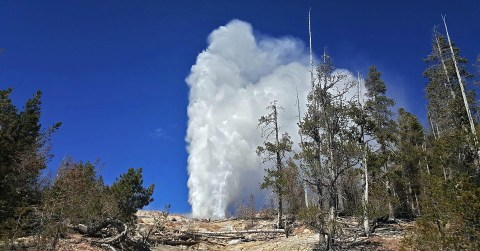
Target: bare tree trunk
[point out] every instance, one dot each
(464, 96)
(311, 53)
(331, 224)
(333, 194)
(418, 205)
(424, 148)
(366, 221)
(411, 198)
(304, 183)
(444, 66)
(431, 125)
(444, 170)
(391, 212)
(436, 137)
(279, 168)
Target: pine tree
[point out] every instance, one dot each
(449, 120)
(130, 194)
(275, 149)
(445, 106)
(328, 145)
(410, 157)
(23, 155)
(79, 194)
(450, 188)
(380, 128)
(359, 117)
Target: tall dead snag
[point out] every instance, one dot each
(450, 106)
(464, 97)
(448, 83)
(462, 88)
(311, 52)
(275, 149)
(449, 191)
(312, 82)
(305, 186)
(360, 118)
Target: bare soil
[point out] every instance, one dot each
(351, 237)
(184, 233)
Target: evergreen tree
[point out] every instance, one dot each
(448, 118)
(381, 128)
(79, 194)
(450, 188)
(445, 105)
(376, 134)
(275, 149)
(130, 194)
(410, 157)
(23, 155)
(328, 145)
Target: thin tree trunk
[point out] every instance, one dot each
(304, 183)
(412, 197)
(444, 171)
(424, 148)
(333, 195)
(366, 221)
(391, 212)
(311, 52)
(431, 125)
(418, 205)
(444, 66)
(279, 169)
(464, 96)
(331, 226)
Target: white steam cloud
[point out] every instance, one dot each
(231, 84)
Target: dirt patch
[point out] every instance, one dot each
(351, 237)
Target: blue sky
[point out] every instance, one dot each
(113, 72)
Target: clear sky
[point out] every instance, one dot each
(113, 72)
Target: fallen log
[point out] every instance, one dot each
(92, 230)
(108, 247)
(173, 240)
(117, 237)
(241, 232)
(179, 243)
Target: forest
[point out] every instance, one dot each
(358, 158)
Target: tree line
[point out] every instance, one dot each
(359, 158)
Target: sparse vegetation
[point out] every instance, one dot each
(76, 198)
(358, 171)
(247, 211)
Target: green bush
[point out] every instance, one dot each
(130, 195)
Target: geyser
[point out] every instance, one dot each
(231, 84)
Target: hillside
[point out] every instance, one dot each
(386, 236)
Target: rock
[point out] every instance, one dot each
(233, 242)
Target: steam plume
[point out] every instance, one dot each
(231, 84)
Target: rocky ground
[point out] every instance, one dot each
(243, 235)
(178, 232)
